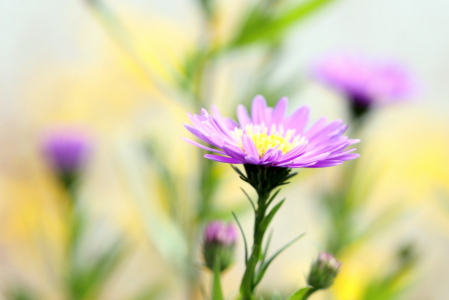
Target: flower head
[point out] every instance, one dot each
(220, 233)
(219, 244)
(67, 151)
(365, 81)
(323, 271)
(270, 138)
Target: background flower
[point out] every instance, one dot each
(368, 81)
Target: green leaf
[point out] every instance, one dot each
(87, 281)
(244, 238)
(265, 266)
(260, 26)
(272, 197)
(265, 251)
(238, 171)
(249, 198)
(20, 293)
(266, 221)
(217, 293)
(300, 294)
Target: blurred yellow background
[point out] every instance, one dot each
(59, 65)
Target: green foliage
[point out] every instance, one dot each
(392, 284)
(150, 293)
(301, 294)
(263, 25)
(86, 280)
(264, 180)
(264, 265)
(20, 293)
(244, 237)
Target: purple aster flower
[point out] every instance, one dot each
(269, 138)
(219, 244)
(365, 82)
(67, 150)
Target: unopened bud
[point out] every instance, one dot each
(219, 244)
(323, 272)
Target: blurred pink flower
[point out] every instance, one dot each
(67, 149)
(364, 80)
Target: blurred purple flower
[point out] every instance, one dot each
(365, 81)
(220, 233)
(269, 138)
(67, 150)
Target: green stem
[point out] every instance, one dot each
(247, 285)
(308, 294)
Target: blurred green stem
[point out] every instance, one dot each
(308, 294)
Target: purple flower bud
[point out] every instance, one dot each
(67, 151)
(220, 233)
(323, 272)
(219, 244)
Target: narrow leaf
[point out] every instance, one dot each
(272, 197)
(264, 268)
(249, 198)
(239, 172)
(266, 221)
(301, 294)
(265, 251)
(244, 238)
(270, 29)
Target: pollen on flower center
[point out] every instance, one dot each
(265, 139)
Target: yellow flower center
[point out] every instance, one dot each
(265, 139)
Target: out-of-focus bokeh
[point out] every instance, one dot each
(119, 70)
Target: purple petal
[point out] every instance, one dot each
(326, 163)
(242, 115)
(196, 132)
(298, 120)
(268, 116)
(252, 160)
(325, 132)
(202, 146)
(307, 158)
(347, 156)
(230, 123)
(279, 111)
(316, 127)
(234, 152)
(249, 146)
(258, 109)
(271, 155)
(223, 159)
(292, 154)
(293, 165)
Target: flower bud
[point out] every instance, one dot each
(219, 244)
(67, 151)
(323, 271)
